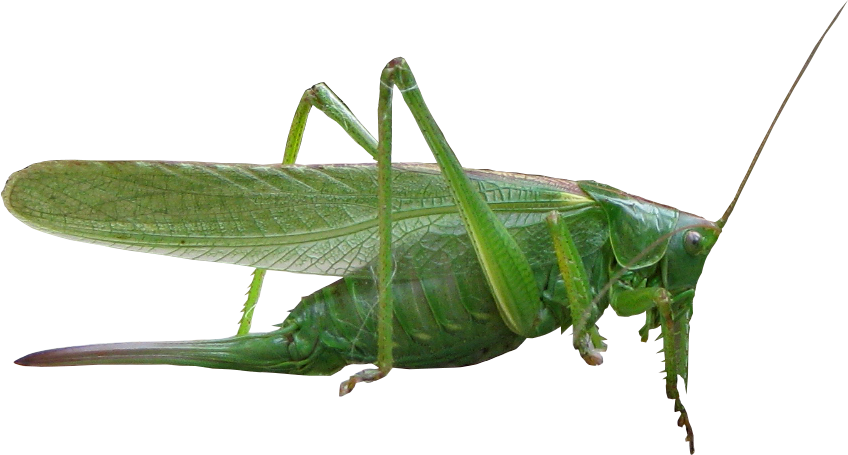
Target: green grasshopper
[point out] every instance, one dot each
(478, 261)
(541, 253)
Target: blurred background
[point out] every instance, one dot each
(663, 99)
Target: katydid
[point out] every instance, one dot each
(479, 260)
(441, 266)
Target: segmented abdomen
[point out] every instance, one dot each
(447, 321)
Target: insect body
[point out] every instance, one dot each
(477, 261)
(440, 266)
(448, 316)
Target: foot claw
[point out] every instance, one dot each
(369, 375)
(347, 386)
(593, 358)
(684, 421)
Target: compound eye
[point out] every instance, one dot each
(692, 242)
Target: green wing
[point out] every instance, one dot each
(310, 219)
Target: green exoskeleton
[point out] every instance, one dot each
(440, 266)
(541, 254)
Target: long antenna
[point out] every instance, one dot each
(723, 220)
